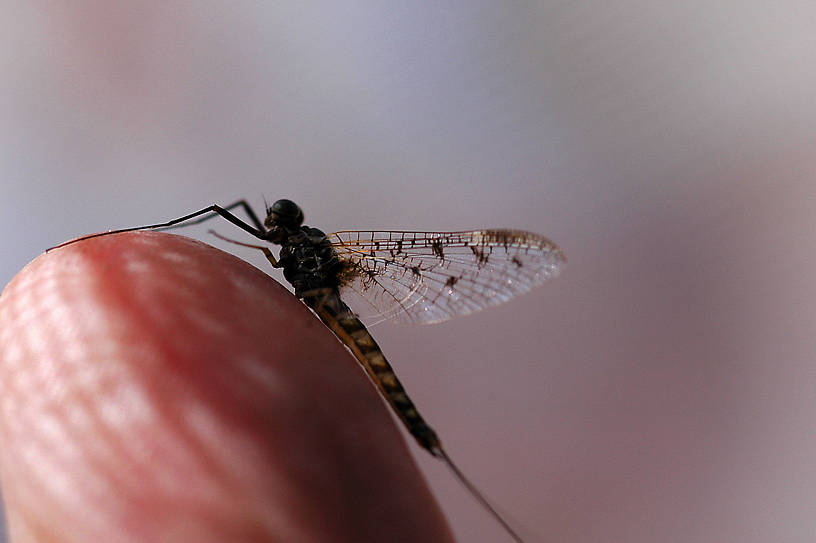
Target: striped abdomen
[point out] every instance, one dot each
(348, 329)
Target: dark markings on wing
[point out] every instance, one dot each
(480, 255)
(436, 248)
(426, 277)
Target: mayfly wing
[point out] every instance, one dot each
(428, 277)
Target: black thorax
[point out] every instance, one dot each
(309, 262)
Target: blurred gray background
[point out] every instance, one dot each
(662, 389)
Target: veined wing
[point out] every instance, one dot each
(427, 277)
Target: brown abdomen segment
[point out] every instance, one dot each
(353, 333)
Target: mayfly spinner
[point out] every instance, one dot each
(417, 277)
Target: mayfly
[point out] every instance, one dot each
(417, 277)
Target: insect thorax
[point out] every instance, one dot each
(309, 262)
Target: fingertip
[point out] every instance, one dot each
(170, 388)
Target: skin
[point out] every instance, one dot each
(153, 388)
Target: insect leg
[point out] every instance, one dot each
(257, 232)
(267, 253)
(242, 203)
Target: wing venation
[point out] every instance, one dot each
(427, 277)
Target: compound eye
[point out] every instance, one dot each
(285, 212)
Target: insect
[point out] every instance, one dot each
(418, 277)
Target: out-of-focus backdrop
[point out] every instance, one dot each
(662, 389)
